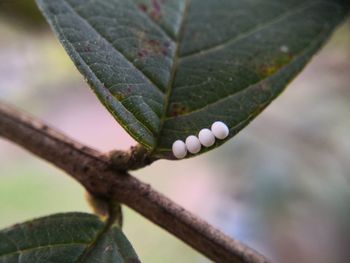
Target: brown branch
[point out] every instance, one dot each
(93, 170)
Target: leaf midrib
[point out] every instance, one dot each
(304, 51)
(292, 12)
(301, 53)
(174, 70)
(92, 245)
(178, 58)
(175, 66)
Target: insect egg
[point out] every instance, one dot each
(193, 144)
(206, 137)
(220, 130)
(179, 149)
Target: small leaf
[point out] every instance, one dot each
(65, 238)
(166, 69)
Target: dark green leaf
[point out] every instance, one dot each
(65, 238)
(168, 68)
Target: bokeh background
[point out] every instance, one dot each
(282, 185)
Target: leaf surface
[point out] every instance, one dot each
(166, 69)
(65, 238)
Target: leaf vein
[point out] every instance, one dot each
(250, 32)
(130, 61)
(107, 90)
(316, 40)
(158, 26)
(21, 251)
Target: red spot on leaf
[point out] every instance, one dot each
(156, 5)
(153, 47)
(156, 12)
(178, 109)
(143, 7)
(129, 90)
(142, 53)
(154, 42)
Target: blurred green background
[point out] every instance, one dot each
(282, 185)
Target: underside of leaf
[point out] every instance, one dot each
(68, 238)
(166, 69)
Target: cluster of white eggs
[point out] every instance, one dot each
(206, 137)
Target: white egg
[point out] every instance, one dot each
(179, 149)
(193, 144)
(220, 130)
(206, 137)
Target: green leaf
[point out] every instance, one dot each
(65, 238)
(166, 69)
